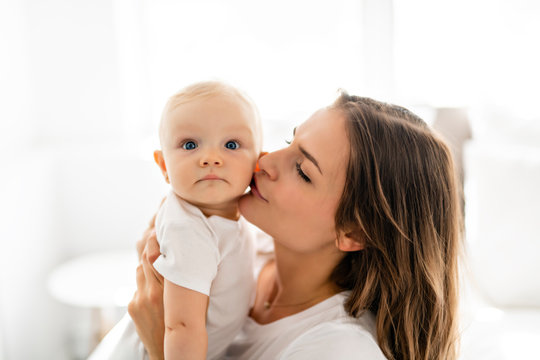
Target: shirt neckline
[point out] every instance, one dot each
(325, 305)
(214, 218)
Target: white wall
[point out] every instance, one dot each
(73, 69)
(85, 83)
(69, 184)
(14, 74)
(468, 52)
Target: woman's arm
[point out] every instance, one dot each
(146, 307)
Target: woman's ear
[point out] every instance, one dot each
(160, 161)
(350, 241)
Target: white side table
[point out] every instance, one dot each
(102, 283)
(99, 280)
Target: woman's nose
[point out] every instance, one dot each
(210, 158)
(268, 164)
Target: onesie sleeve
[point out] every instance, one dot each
(189, 255)
(334, 341)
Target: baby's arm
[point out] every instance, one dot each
(185, 322)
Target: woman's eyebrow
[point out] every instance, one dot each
(310, 158)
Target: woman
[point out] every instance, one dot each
(364, 213)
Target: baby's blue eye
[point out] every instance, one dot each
(189, 145)
(232, 145)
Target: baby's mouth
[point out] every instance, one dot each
(211, 177)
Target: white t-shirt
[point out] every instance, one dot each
(213, 256)
(324, 331)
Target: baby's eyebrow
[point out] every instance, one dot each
(239, 129)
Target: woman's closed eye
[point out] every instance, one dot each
(302, 174)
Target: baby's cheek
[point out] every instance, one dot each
(245, 171)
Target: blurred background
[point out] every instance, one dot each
(82, 85)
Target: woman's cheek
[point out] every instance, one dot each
(291, 199)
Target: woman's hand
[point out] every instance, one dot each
(141, 244)
(146, 307)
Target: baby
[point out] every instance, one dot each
(211, 138)
(210, 142)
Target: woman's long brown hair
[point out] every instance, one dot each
(400, 198)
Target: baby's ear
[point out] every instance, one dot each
(160, 161)
(349, 241)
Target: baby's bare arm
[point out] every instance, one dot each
(185, 322)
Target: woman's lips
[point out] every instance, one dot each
(255, 190)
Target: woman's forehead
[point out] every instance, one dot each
(324, 136)
(324, 125)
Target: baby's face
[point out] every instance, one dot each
(210, 149)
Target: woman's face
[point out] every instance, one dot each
(295, 196)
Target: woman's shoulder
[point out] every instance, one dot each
(343, 337)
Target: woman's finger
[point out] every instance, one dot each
(141, 243)
(150, 274)
(140, 278)
(152, 248)
(153, 283)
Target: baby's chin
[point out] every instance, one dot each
(214, 201)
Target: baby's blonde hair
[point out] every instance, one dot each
(206, 90)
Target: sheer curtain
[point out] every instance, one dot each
(468, 52)
(291, 57)
(85, 83)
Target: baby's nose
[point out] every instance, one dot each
(211, 159)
